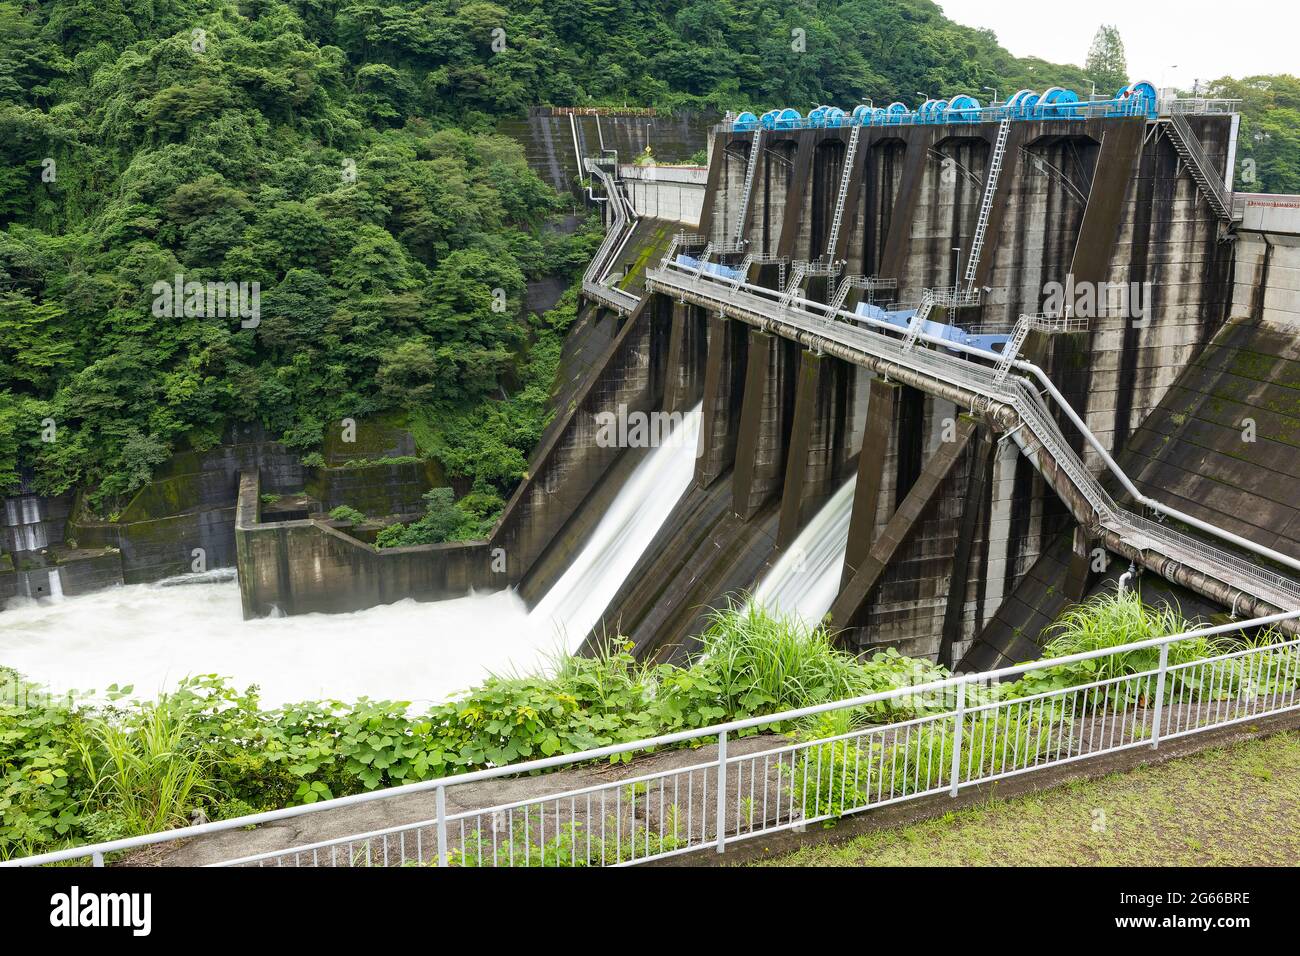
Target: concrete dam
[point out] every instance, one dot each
(932, 375)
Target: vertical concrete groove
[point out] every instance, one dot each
(854, 595)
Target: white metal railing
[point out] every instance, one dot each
(955, 297)
(623, 217)
(1173, 105)
(879, 338)
(777, 772)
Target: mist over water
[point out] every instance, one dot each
(806, 578)
(152, 635)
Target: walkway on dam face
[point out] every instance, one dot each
(1023, 415)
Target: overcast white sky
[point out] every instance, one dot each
(1168, 43)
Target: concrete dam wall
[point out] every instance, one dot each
(956, 546)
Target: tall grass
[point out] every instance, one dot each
(148, 767)
(1114, 619)
(762, 660)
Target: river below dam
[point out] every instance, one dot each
(152, 635)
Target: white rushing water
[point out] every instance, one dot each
(152, 635)
(806, 578)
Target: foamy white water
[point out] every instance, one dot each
(152, 635)
(635, 516)
(806, 578)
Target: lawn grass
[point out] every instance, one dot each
(1237, 805)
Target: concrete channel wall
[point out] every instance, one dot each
(305, 565)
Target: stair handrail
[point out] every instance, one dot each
(1216, 189)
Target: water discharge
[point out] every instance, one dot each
(806, 578)
(151, 635)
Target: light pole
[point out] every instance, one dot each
(994, 92)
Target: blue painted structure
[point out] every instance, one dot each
(902, 319)
(1136, 99)
(714, 268)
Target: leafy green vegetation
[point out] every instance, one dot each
(1111, 620)
(347, 513)
(389, 250)
(446, 519)
(1268, 144)
(72, 771)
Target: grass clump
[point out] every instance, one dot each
(1114, 619)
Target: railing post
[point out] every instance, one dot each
(96, 859)
(722, 792)
(1160, 695)
(441, 803)
(955, 774)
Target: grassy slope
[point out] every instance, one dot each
(1234, 806)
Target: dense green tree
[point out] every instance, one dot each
(1268, 144)
(1106, 64)
(340, 155)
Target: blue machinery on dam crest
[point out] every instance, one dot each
(1135, 99)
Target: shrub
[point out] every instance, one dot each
(347, 513)
(444, 519)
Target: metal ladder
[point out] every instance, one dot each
(796, 283)
(986, 204)
(1011, 350)
(850, 282)
(918, 320)
(742, 270)
(842, 293)
(750, 171)
(838, 219)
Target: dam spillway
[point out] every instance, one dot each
(414, 651)
(965, 538)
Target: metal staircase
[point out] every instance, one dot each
(837, 220)
(918, 320)
(796, 283)
(1011, 350)
(742, 270)
(850, 282)
(1189, 149)
(986, 204)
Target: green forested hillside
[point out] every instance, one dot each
(340, 154)
(1268, 145)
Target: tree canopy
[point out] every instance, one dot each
(337, 158)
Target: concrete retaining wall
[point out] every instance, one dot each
(298, 567)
